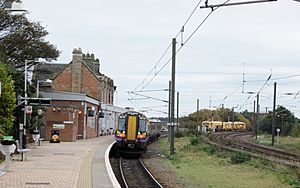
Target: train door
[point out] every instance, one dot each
(131, 127)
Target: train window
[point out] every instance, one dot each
(142, 125)
(122, 124)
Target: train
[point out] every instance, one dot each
(215, 126)
(135, 131)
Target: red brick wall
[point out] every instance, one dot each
(63, 82)
(90, 83)
(69, 133)
(71, 130)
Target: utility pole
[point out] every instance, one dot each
(177, 122)
(232, 117)
(198, 115)
(222, 118)
(169, 112)
(173, 95)
(257, 114)
(254, 121)
(23, 139)
(273, 116)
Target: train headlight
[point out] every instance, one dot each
(120, 134)
(141, 136)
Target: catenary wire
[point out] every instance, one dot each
(169, 45)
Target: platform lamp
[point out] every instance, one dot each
(23, 136)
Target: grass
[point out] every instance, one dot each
(287, 143)
(202, 165)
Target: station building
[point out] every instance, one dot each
(82, 98)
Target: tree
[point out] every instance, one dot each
(7, 101)
(22, 39)
(295, 132)
(283, 119)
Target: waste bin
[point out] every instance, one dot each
(54, 136)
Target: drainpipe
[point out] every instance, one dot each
(84, 121)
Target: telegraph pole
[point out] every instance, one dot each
(169, 112)
(177, 122)
(254, 121)
(173, 95)
(232, 117)
(273, 116)
(222, 118)
(198, 115)
(257, 115)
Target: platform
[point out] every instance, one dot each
(65, 164)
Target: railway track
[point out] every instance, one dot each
(241, 141)
(135, 174)
(131, 172)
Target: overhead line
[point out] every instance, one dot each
(154, 67)
(183, 43)
(181, 46)
(199, 72)
(149, 97)
(189, 18)
(203, 22)
(157, 73)
(152, 90)
(229, 58)
(178, 49)
(151, 109)
(169, 46)
(285, 77)
(265, 83)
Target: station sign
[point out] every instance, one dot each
(28, 109)
(39, 101)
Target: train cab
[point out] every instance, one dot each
(131, 134)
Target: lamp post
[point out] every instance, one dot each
(23, 137)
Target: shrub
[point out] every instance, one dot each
(179, 134)
(194, 140)
(296, 130)
(209, 149)
(240, 158)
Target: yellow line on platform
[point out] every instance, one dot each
(85, 173)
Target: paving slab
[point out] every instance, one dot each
(65, 164)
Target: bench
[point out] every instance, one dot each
(40, 140)
(79, 136)
(21, 151)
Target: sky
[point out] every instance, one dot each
(231, 54)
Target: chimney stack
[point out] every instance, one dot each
(97, 66)
(76, 70)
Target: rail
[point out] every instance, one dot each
(135, 174)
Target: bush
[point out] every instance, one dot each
(179, 134)
(240, 158)
(296, 130)
(209, 149)
(194, 140)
